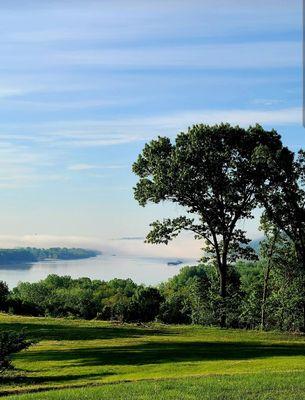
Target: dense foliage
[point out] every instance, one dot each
(60, 296)
(11, 343)
(32, 254)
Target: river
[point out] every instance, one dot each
(149, 271)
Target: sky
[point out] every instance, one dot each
(84, 84)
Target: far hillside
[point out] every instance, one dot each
(33, 254)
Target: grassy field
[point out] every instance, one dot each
(98, 360)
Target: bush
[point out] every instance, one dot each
(62, 296)
(192, 296)
(10, 343)
(145, 304)
(4, 293)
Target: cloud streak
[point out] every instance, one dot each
(88, 167)
(29, 159)
(117, 131)
(250, 55)
(223, 56)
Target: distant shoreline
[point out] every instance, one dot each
(32, 254)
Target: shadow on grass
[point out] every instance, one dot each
(164, 352)
(53, 331)
(34, 380)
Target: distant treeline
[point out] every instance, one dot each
(32, 254)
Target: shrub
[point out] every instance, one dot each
(10, 343)
(4, 292)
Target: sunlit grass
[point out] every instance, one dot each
(72, 353)
(275, 386)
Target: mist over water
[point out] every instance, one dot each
(147, 270)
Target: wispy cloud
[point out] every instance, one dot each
(250, 55)
(281, 116)
(29, 159)
(10, 91)
(86, 167)
(69, 104)
(222, 56)
(267, 102)
(127, 21)
(93, 133)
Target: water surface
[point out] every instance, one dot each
(150, 271)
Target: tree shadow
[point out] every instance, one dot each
(59, 332)
(23, 379)
(164, 352)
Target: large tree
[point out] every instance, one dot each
(212, 172)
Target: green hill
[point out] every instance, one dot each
(98, 360)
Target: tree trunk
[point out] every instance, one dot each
(303, 305)
(264, 298)
(266, 280)
(223, 295)
(300, 251)
(221, 259)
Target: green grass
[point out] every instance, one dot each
(256, 386)
(98, 360)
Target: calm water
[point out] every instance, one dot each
(104, 267)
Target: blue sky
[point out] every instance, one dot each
(83, 85)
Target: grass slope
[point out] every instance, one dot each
(158, 362)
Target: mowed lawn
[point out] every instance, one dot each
(99, 360)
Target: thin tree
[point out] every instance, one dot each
(267, 250)
(283, 197)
